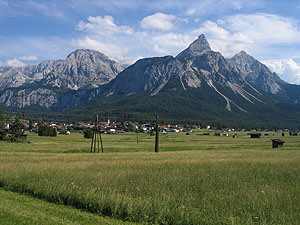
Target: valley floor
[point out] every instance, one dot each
(192, 180)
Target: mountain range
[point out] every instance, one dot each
(197, 85)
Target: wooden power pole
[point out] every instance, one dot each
(157, 135)
(96, 137)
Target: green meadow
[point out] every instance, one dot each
(192, 180)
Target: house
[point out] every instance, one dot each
(65, 132)
(218, 134)
(254, 135)
(188, 130)
(146, 127)
(174, 130)
(111, 130)
(276, 143)
(114, 125)
(225, 134)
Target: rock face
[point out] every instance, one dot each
(29, 97)
(145, 76)
(11, 77)
(256, 73)
(238, 83)
(198, 47)
(194, 67)
(82, 68)
(40, 85)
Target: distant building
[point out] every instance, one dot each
(65, 132)
(276, 143)
(294, 134)
(255, 135)
(188, 130)
(173, 130)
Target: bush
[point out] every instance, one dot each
(47, 131)
(17, 129)
(88, 133)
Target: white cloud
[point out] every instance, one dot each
(29, 58)
(13, 63)
(128, 60)
(171, 43)
(287, 69)
(103, 26)
(254, 33)
(111, 50)
(191, 11)
(264, 27)
(223, 40)
(158, 21)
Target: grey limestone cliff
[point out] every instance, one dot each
(48, 83)
(256, 73)
(195, 66)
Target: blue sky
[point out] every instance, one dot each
(126, 30)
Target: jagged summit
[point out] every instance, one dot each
(255, 72)
(242, 60)
(198, 47)
(197, 84)
(243, 55)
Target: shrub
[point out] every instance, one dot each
(47, 131)
(88, 133)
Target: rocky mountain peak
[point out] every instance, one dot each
(243, 56)
(82, 68)
(255, 72)
(198, 47)
(84, 54)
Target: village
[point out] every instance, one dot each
(17, 129)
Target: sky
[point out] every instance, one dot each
(126, 30)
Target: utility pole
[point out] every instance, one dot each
(96, 137)
(156, 135)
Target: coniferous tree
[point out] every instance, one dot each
(2, 118)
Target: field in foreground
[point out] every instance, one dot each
(193, 180)
(22, 209)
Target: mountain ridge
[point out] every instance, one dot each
(240, 87)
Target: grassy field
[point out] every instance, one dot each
(193, 180)
(23, 209)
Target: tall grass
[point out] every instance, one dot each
(193, 180)
(192, 187)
